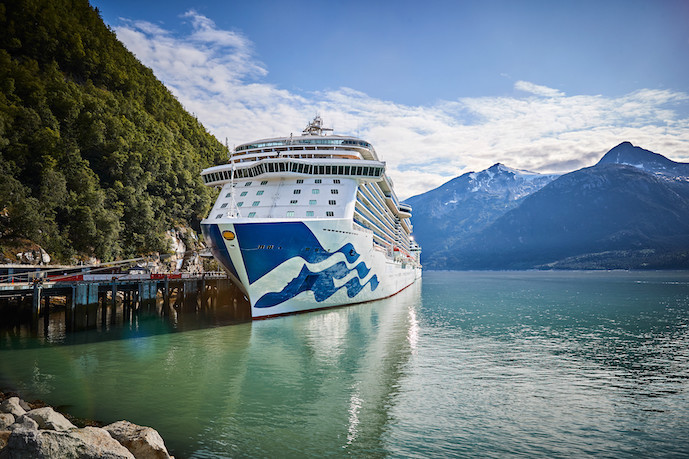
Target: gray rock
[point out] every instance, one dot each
(6, 420)
(86, 443)
(24, 405)
(143, 442)
(12, 406)
(24, 422)
(49, 419)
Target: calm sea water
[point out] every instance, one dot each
(489, 364)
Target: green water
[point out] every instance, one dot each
(462, 364)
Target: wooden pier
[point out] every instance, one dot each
(86, 302)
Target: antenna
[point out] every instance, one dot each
(315, 127)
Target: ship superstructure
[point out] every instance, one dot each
(310, 221)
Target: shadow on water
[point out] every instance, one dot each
(127, 320)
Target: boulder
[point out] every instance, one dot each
(24, 405)
(24, 422)
(12, 406)
(89, 442)
(6, 420)
(143, 442)
(49, 419)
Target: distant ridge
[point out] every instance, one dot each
(629, 211)
(468, 204)
(628, 154)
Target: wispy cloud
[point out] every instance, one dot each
(215, 74)
(537, 89)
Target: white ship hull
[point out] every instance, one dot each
(286, 267)
(310, 222)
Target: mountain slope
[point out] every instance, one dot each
(97, 158)
(467, 204)
(626, 153)
(614, 215)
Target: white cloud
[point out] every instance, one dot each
(537, 89)
(215, 75)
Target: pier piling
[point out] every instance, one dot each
(90, 304)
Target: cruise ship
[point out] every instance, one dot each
(309, 222)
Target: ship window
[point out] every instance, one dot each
(309, 213)
(332, 202)
(252, 214)
(265, 182)
(290, 213)
(293, 201)
(282, 167)
(315, 191)
(219, 216)
(240, 203)
(226, 175)
(247, 184)
(328, 170)
(224, 204)
(312, 202)
(321, 170)
(319, 180)
(297, 191)
(334, 191)
(262, 246)
(255, 203)
(259, 193)
(228, 195)
(300, 181)
(347, 170)
(337, 180)
(270, 167)
(330, 214)
(243, 193)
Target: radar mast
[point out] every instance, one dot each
(315, 127)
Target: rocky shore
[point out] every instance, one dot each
(33, 430)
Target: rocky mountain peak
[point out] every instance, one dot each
(626, 153)
(654, 163)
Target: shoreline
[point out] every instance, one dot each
(35, 429)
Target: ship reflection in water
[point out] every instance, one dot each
(310, 384)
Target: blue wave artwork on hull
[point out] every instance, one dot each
(288, 240)
(322, 284)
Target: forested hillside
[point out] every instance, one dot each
(97, 158)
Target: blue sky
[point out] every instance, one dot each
(439, 87)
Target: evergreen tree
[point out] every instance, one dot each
(97, 157)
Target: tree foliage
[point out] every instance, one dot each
(97, 157)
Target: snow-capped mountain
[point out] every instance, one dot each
(469, 203)
(627, 154)
(629, 211)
